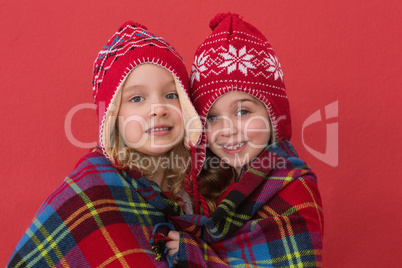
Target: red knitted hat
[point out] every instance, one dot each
(237, 57)
(129, 47)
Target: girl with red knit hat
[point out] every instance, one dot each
(262, 206)
(110, 209)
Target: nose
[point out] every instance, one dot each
(228, 127)
(159, 109)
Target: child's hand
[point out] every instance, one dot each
(174, 244)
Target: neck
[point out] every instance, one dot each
(158, 176)
(237, 172)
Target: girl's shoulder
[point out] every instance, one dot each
(94, 157)
(93, 175)
(87, 178)
(95, 169)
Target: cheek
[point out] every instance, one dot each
(211, 131)
(130, 128)
(258, 130)
(176, 116)
(211, 145)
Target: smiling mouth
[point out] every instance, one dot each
(234, 147)
(158, 129)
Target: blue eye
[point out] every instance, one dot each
(137, 99)
(242, 112)
(212, 118)
(172, 96)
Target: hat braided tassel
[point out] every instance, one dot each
(198, 198)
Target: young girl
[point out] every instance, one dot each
(264, 202)
(105, 211)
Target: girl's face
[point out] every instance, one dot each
(238, 128)
(150, 119)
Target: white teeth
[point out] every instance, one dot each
(157, 129)
(233, 147)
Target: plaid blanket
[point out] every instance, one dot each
(271, 218)
(98, 217)
(102, 217)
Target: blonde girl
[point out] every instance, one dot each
(105, 211)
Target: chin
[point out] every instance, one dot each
(160, 152)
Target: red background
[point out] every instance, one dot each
(345, 51)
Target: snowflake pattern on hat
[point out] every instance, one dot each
(237, 60)
(274, 66)
(230, 60)
(198, 66)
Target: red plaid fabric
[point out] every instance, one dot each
(271, 218)
(98, 217)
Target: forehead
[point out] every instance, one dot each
(149, 75)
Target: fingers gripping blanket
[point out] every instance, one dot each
(98, 217)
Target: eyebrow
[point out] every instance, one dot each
(127, 90)
(237, 102)
(247, 99)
